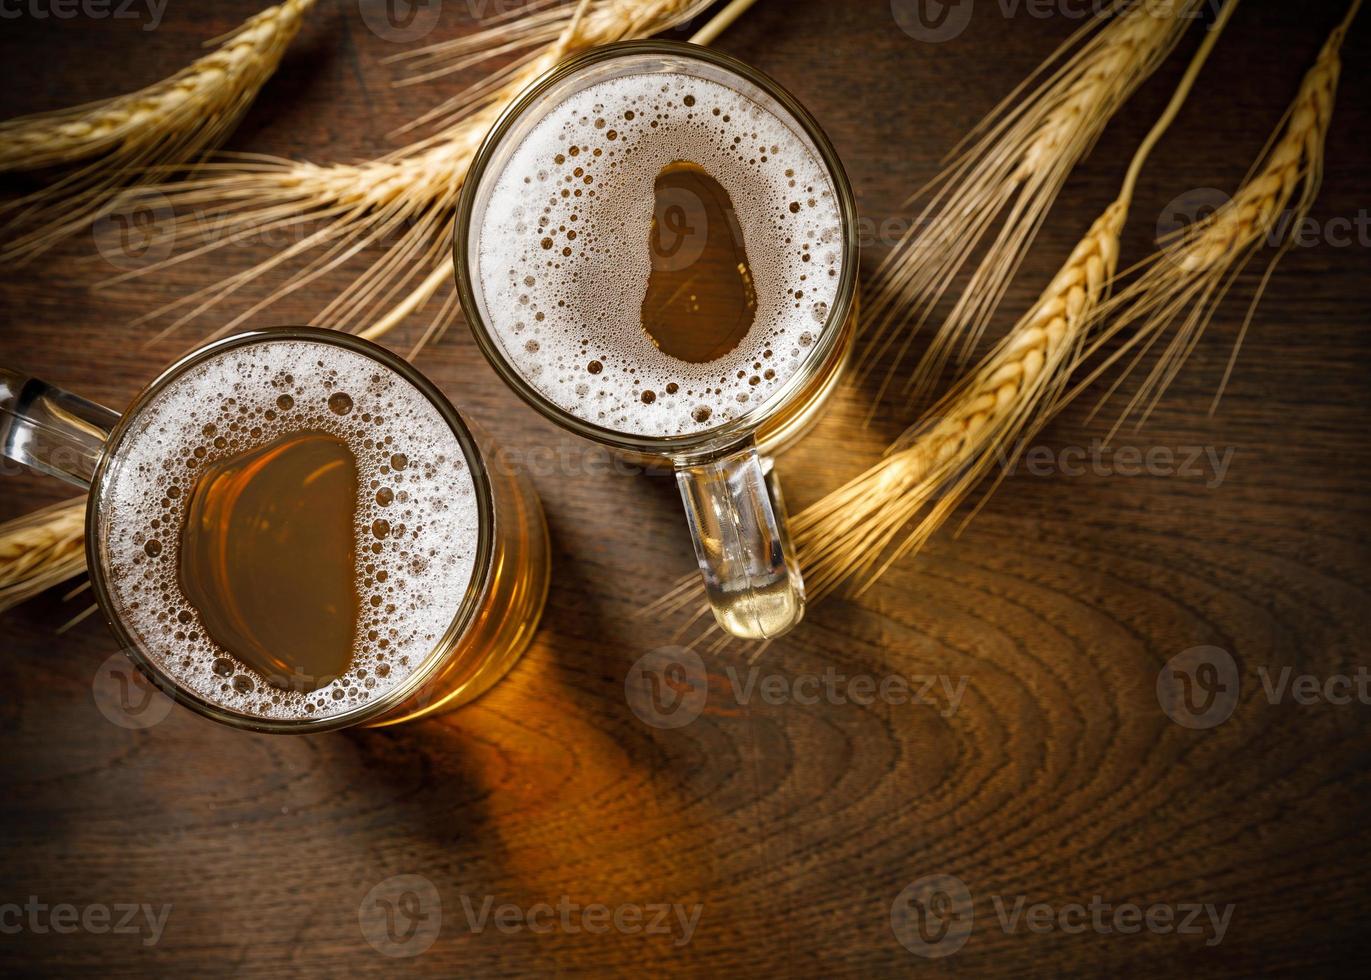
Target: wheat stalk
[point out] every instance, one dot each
(1184, 283)
(125, 138)
(1022, 153)
(856, 532)
(539, 23)
(41, 549)
(404, 201)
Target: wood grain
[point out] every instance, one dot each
(1057, 777)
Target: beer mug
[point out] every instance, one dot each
(292, 530)
(654, 248)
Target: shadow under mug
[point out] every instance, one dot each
(66, 436)
(727, 483)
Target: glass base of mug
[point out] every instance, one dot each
(760, 613)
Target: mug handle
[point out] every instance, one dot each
(738, 522)
(51, 430)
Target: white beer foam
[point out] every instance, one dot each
(246, 397)
(564, 255)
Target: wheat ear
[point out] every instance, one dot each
(41, 549)
(404, 201)
(1016, 164)
(860, 529)
(1183, 284)
(856, 532)
(123, 139)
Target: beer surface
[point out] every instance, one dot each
(269, 557)
(590, 213)
(288, 529)
(700, 310)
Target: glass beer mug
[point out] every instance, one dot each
(655, 249)
(292, 530)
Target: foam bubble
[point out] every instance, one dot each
(415, 485)
(564, 261)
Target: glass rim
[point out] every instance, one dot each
(481, 569)
(741, 428)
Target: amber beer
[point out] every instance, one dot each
(292, 530)
(654, 248)
(701, 300)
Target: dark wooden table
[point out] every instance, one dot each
(1057, 779)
